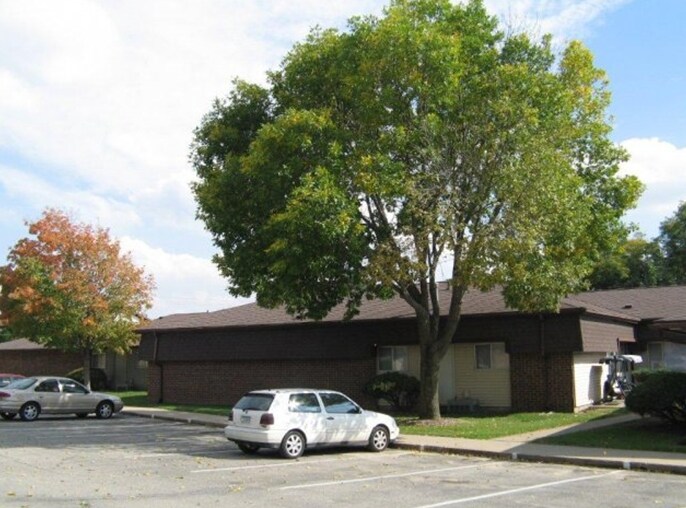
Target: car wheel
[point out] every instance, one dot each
(81, 415)
(29, 411)
(7, 416)
(378, 440)
(293, 445)
(104, 410)
(248, 448)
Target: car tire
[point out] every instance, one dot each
(81, 415)
(248, 448)
(292, 445)
(104, 410)
(7, 416)
(378, 439)
(29, 411)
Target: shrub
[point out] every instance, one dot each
(98, 377)
(396, 388)
(662, 394)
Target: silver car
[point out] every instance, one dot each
(292, 420)
(32, 396)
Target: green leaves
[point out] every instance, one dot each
(425, 133)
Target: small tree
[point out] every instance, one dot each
(661, 394)
(398, 389)
(673, 243)
(69, 286)
(636, 263)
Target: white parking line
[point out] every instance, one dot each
(184, 451)
(374, 478)
(264, 466)
(517, 491)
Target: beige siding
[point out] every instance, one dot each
(491, 387)
(589, 376)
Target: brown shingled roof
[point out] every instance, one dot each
(667, 303)
(626, 304)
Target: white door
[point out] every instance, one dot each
(446, 377)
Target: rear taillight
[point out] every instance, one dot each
(5, 395)
(267, 419)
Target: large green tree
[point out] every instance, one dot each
(423, 138)
(69, 286)
(672, 240)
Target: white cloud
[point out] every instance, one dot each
(661, 166)
(185, 283)
(565, 19)
(36, 194)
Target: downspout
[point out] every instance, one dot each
(161, 367)
(546, 376)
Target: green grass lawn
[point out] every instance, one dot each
(140, 399)
(490, 426)
(648, 434)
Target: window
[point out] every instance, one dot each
(482, 355)
(338, 404)
(255, 402)
(49, 385)
(392, 359)
(655, 355)
(304, 403)
(73, 387)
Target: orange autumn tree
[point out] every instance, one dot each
(70, 287)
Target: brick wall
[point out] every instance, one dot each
(37, 362)
(226, 382)
(542, 383)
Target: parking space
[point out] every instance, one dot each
(130, 461)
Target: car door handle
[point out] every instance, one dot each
(330, 418)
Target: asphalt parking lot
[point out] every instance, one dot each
(131, 461)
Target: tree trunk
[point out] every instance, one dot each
(87, 368)
(435, 337)
(429, 406)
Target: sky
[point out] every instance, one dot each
(98, 102)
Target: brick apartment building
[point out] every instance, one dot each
(500, 358)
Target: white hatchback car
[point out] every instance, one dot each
(293, 419)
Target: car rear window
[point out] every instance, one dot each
(255, 402)
(22, 384)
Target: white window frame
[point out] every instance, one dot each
(398, 354)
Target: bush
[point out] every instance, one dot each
(396, 388)
(98, 378)
(662, 394)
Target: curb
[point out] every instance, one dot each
(628, 465)
(175, 418)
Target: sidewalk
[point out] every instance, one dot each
(519, 447)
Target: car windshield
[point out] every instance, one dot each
(22, 384)
(255, 402)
